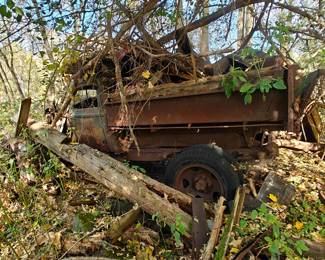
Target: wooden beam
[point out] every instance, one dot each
(23, 115)
(115, 176)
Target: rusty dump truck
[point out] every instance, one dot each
(192, 127)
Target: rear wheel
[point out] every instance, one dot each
(203, 171)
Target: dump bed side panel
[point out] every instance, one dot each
(212, 108)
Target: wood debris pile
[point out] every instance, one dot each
(142, 67)
(82, 218)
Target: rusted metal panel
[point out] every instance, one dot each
(180, 138)
(164, 126)
(209, 108)
(200, 226)
(90, 127)
(151, 154)
(156, 145)
(292, 72)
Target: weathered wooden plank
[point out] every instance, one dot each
(23, 115)
(111, 173)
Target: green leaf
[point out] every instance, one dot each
(3, 10)
(242, 223)
(279, 84)
(265, 85)
(263, 209)
(40, 22)
(248, 99)
(19, 11)
(242, 79)
(276, 231)
(254, 214)
(8, 14)
(228, 91)
(52, 66)
(177, 237)
(19, 18)
(10, 4)
(301, 246)
(109, 15)
(268, 239)
(274, 248)
(173, 228)
(79, 39)
(245, 87)
(234, 82)
(83, 222)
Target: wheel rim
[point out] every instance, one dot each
(200, 181)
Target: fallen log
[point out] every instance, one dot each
(299, 145)
(122, 223)
(115, 176)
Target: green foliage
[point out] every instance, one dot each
(308, 214)
(134, 167)
(177, 230)
(279, 238)
(84, 221)
(236, 77)
(232, 80)
(322, 57)
(5, 12)
(52, 166)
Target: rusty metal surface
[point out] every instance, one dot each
(89, 128)
(200, 181)
(292, 72)
(200, 226)
(202, 109)
(165, 126)
(151, 154)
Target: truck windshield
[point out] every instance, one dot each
(85, 98)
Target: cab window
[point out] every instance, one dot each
(85, 98)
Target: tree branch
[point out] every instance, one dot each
(209, 19)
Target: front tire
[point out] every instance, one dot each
(203, 171)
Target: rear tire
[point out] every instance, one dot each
(203, 171)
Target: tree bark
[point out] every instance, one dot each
(120, 224)
(114, 176)
(204, 41)
(13, 73)
(299, 145)
(244, 26)
(208, 19)
(4, 75)
(5, 88)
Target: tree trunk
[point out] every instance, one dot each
(244, 25)
(209, 19)
(4, 75)
(204, 41)
(5, 88)
(13, 73)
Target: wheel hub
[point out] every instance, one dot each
(200, 181)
